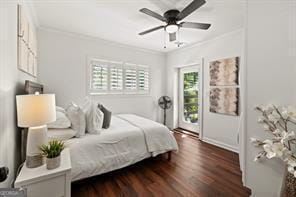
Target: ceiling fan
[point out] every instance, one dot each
(172, 18)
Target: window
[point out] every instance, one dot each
(116, 77)
(99, 76)
(107, 77)
(130, 79)
(143, 78)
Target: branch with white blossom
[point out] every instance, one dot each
(275, 120)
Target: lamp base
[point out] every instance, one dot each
(34, 161)
(37, 136)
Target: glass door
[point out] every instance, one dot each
(188, 97)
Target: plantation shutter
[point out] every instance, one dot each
(143, 78)
(116, 77)
(130, 79)
(99, 76)
(110, 77)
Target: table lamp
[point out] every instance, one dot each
(35, 111)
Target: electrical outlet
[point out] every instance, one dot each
(3, 173)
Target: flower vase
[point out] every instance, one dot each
(289, 186)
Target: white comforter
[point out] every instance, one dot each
(129, 139)
(158, 138)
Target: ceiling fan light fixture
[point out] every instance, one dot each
(173, 28)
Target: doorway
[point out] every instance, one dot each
(189, 98)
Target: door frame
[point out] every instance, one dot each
(194, 127)
(201, 94)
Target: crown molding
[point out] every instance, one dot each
(97, 39)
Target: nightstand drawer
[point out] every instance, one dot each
(53, 187)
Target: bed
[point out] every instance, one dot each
(121, 145)
(129, 139)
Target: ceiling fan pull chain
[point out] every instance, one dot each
(164, 43)
(178, 37)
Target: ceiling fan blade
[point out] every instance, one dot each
(204, 26)
(194, 5)
(153, 14)
(173, 37)
(151, 30)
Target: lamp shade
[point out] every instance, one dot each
(35, 110)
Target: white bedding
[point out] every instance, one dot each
(158, 138)
(123, 144)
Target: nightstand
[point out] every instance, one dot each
(47, 183)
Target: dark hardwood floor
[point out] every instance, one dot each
(198, 169)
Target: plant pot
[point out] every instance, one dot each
(52, 163)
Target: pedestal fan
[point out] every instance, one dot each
(164, 103)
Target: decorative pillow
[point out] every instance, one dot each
(62, 121)
(94, 117)
(107, 116)
(60, 109)
(77, 118)
(60, 134)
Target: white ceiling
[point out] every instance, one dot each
(121, 21)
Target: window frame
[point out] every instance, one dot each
(124, 66)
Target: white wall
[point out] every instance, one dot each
(217, 128)
(62, 69)
(11, 83)
(270, 60)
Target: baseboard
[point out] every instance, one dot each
(220, 144)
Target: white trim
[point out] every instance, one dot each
(176, 68)
(201, 98)
(147, 50)
(242, 129)
(244, 104)
(220, 144)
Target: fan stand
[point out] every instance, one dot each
(164, 116)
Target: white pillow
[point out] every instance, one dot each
(60, 109)
(77, 118)
(62, 121)
(94, 117)
(60, 134)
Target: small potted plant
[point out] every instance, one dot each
(52, 152)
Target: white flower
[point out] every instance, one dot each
(274, 149)
(267, 142)
(277, 131)
(289, 112)
(287, 136)
(274, 117)
(255, 142)
(266, 127)
(268, 108)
